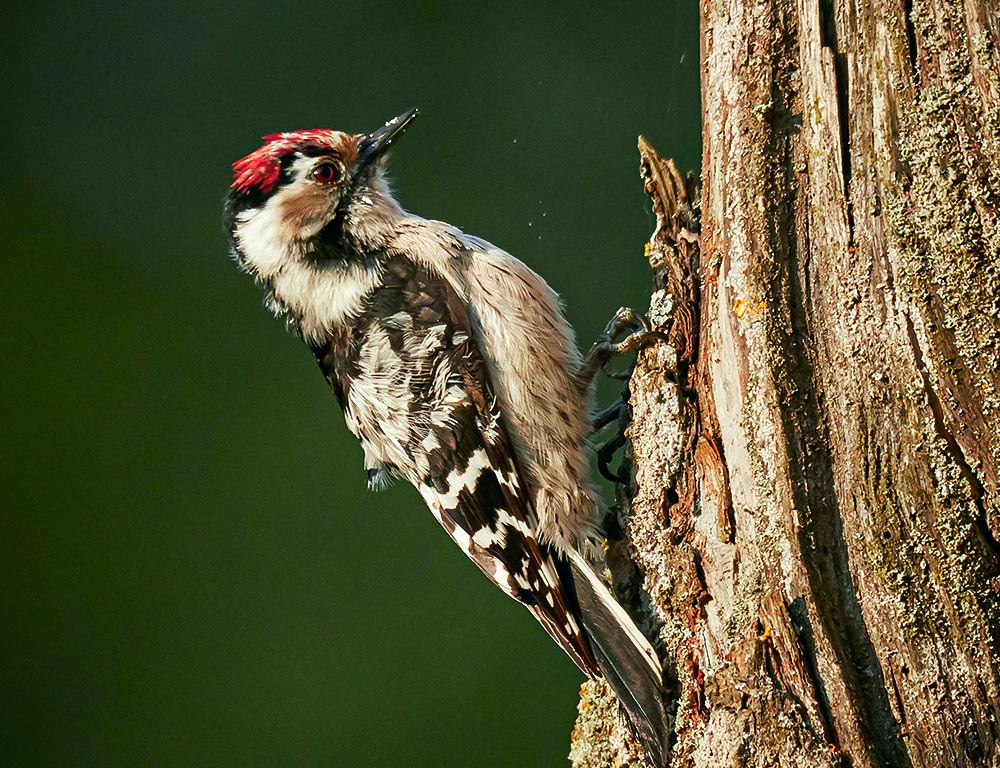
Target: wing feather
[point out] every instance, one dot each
(416, 390)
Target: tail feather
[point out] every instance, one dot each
(626, 659)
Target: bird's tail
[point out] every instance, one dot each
(626, 659)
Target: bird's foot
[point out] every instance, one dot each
(627, 332)
(618, 414)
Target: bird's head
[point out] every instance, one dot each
(312, 193)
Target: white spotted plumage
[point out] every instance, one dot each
(458, 372)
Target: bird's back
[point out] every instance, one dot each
(533, 361)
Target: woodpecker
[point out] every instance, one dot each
(457, 371)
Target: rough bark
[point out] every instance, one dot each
(816, 499)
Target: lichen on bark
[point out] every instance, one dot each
(815, 505)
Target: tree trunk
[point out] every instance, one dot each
(816, 498)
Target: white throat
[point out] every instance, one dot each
(316, 296)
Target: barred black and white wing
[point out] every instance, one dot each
(415, 390)
(505, 526)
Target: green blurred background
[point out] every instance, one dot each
(192, 572)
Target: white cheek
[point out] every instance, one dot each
(318, 297)
(323, 298)
(261, 236)
(267, 241)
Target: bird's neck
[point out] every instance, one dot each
(368, 221)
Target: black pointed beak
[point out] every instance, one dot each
(375, 144)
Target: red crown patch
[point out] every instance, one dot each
(261, 169)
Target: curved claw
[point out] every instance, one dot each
(604, 456)
(613, 412)
(631, 343)
(616, 375)
(624, 319)
(640, 334)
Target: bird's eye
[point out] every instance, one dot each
(327, 173)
